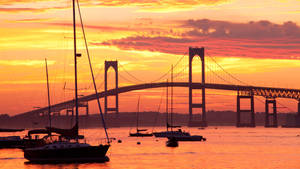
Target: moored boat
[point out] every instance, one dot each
(68, 149)
(67, 152)
(171, 142)
(189, 138)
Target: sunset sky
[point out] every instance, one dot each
(258, 42)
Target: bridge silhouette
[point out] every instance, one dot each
(246, 92)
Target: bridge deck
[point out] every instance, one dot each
(255, 90)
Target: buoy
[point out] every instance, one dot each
(119, 141)
(138, 143)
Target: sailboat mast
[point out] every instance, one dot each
(137, 115)
(49, 108)
(75, 63)
(172, 98)
(167, 104)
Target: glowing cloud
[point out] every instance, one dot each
(25, 62)
(261, 39)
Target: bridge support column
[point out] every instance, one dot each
(114, 65)
(298, 108)
(86, 106)
(192, 123)
(247, 95)
(70, 110)
(271, 101)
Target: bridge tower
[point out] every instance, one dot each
(271, 101)
(192, 53)
(245, 95)
(114, 65)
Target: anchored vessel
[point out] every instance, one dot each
(170, 133)
(139, 132)
(68, 148)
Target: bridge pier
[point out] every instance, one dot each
(192, 123)
(86, 105)
(298, 108)
(114, 65)
(70, 110)
(246, 95)
(271, 101)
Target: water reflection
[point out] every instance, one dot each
(227, 147)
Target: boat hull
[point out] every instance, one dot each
(170, 134)
(140, 134)
(11, 142)
(68, 155)
(188, 138)
(172, 142)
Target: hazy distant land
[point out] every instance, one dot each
(128, 119)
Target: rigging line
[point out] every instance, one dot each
(227, 72)
(127, 79)
(131, 74)
(277, 102)
(182, 71)
(218, 75)
(91, 68)
(157, 114)
(98, 74)
(164, 75)
(242, 81)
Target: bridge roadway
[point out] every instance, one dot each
(255, 90)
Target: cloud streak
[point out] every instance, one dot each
(148, 5)
(261, 39)
(24, 62)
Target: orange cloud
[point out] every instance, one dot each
(150, 5)
(17, 10)
(261, 39)
(33, 20)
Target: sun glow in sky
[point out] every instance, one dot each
(256, 41)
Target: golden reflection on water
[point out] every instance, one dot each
(226, 147)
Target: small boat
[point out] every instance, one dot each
(170, 133)
(10, 130)
(11, 142)
(139, 132)
(172, 142)
(167, 133)
(67, 152)
(189, 138)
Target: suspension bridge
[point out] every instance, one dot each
(244, 92)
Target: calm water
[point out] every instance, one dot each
(226, 147)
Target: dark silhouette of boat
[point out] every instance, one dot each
(68, 149)
(171, 142)
(67, 152)
(11, 142)
(188, 138)
(10, 130)
(27, 141)
(171, 132)
(139, 132)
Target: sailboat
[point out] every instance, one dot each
(170, 133)
(139, 131)
(68, 149)
(28, 140)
